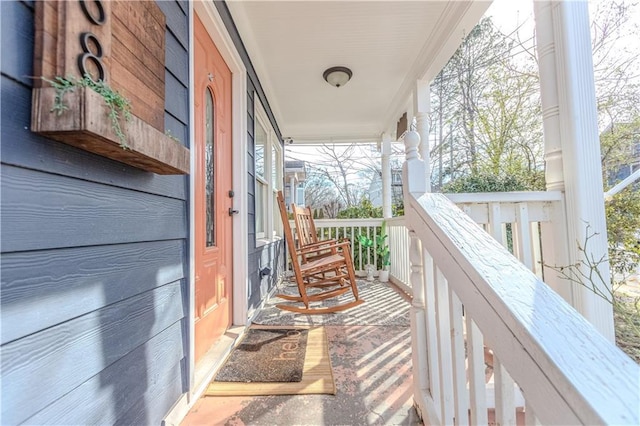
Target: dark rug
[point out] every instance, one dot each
(266, 355)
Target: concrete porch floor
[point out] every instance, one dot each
(372, 371)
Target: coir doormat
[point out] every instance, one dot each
(266, 355)
(266, 363)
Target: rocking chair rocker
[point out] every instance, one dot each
(332, 270)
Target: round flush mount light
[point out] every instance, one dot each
(337, 76)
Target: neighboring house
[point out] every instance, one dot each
(295, 175)
(630, 162)
(121, 286)
(375, 188)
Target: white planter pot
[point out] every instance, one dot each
(383, 276)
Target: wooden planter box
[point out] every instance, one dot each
(86, 125)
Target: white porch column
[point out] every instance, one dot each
(554, 243)
(414, 184)
(292, 190)
(386, 176)
(572, 146)
(422, 109)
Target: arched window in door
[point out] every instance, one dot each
(209, 170)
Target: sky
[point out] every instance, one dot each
(509, 14)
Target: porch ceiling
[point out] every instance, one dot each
(387, 44)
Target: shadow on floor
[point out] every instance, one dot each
(372, 370)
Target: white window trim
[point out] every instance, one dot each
(276, 224)
(270, 230)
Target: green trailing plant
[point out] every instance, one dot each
(119, 106)
(382, 248)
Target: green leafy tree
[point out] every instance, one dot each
(364, 209)
(623, 229)
(486, 116)
(489, 182)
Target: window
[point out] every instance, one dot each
(276, 185)
(210, 227)
(261, 182)
(268, 171)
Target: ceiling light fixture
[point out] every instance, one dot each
(337, 76)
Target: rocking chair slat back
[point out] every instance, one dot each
(307, 235)
(305, 227)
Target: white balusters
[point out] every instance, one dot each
(522, 236)
(418, 323)
(505, 399)
(460, 392)
(476, 366)
(530, 418)
(433, 356)
(444, 347)
(399, 252)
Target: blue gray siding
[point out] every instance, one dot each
(94, 272)
(269, 255)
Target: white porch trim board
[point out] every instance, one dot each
(569, 108)
(221, 38)
(182, 405)
(422, 108)
(622, 185)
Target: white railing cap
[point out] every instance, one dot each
(567, 370)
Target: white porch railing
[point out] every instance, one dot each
(352, 229)
(513, 218)
(399, 249)
(477, 311)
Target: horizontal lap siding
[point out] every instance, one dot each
(94, 284)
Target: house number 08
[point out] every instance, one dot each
(89, 42)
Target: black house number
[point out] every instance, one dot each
(91, 47)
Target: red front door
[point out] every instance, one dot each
(213, 223)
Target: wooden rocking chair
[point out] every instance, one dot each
(333, 270)
(307, 234)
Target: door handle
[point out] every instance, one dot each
(232, 211)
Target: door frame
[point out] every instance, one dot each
(215, 27)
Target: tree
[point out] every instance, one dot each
(487, 111)
(616, 76)
(339, 175)
(623, 231)
(318, 191)
(615, 62)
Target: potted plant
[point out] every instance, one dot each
(382, 249)
(367, 243)
(384, 255)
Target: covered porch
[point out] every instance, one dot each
(443, 355)
(470, 290)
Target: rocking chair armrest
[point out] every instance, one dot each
(307, 249)
(320, 244)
